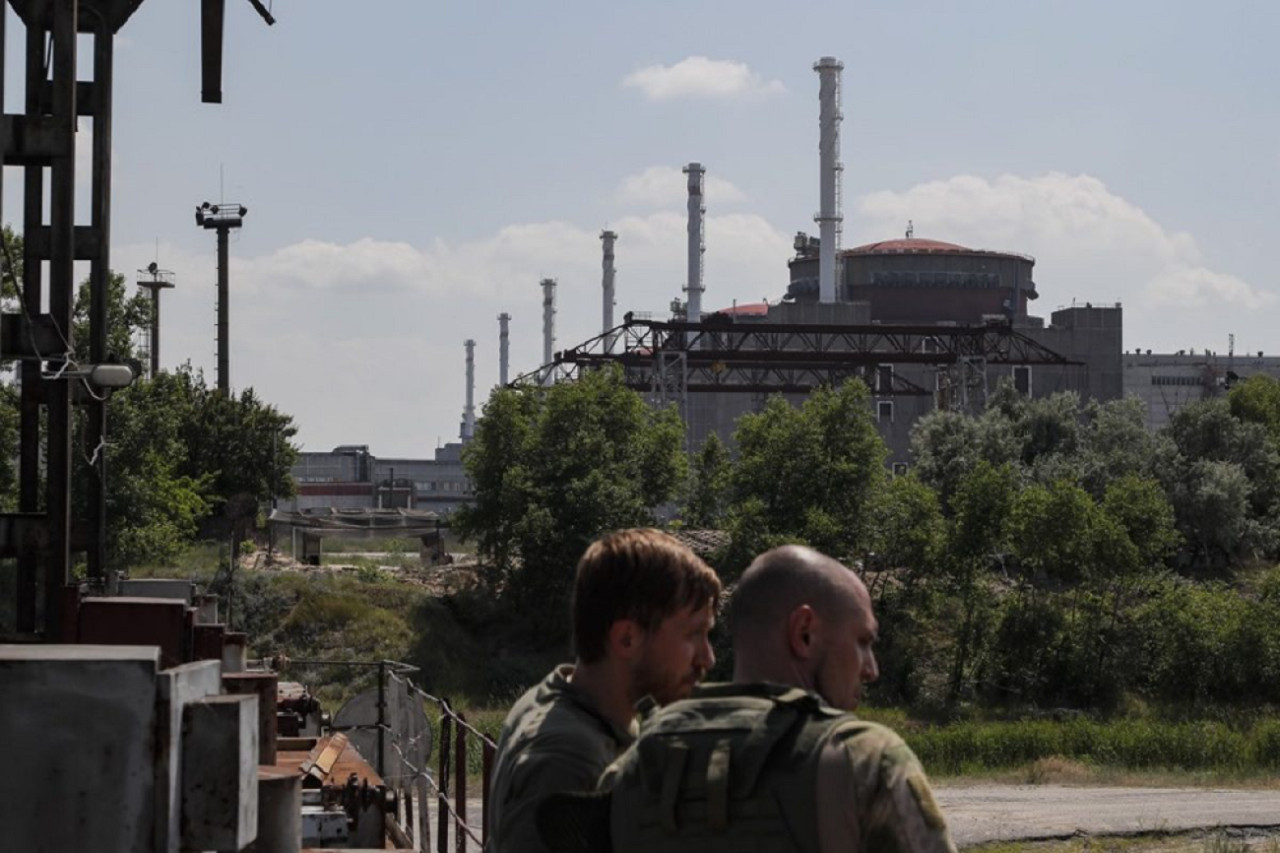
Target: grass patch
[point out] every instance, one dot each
(966, 748)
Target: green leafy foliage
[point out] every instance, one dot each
(709, 485)
(807, 474)
(554, 468)
(177, 453)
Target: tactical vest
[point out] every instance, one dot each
(732, 769)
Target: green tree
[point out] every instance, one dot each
(978, 540)
(709, 485)
(126, 315)
(552, 469)
(807, 474)
(1257, 400)
(1223, 478)
(1116, 443)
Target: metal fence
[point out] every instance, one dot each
(388, 724)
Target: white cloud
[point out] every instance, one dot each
(700, 77)
(362, 342)
(1088, 241)
(1090, 245)
(664, 186)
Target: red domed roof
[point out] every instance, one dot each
(750, 309)
(909, 244)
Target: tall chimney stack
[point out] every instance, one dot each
(693, 307)
(829, 218)
(608, 237)
(504, 347)
(548, 321)
(469, 413)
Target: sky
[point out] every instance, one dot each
(411, 170)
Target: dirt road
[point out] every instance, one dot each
(983, 813)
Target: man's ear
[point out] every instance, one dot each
(802, 632)
(625, 638)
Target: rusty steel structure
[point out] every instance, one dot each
(670, 358)
(42, 535)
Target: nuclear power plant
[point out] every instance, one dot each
(926, 324)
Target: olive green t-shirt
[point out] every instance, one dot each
(554, 739)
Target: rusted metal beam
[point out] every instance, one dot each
(61, 305)
(34, 140)
(212, 17)
(99, 284)
(22, 338)
(88, 246)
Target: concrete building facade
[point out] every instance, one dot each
(350, 477)
(1167, 381)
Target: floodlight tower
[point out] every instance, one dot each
(222, 218)
(157, 280)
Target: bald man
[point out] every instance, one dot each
(775, 761)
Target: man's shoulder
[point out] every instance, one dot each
(865, 739)
(549, 720)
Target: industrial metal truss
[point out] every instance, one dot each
(671, 359)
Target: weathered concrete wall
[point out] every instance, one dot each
(78, 724)
(178, 687)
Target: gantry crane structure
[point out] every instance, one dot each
(669, 360)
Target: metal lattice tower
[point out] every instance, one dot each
(154, 280)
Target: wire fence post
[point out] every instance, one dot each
(486, 771)
(442, 786)
(382, 718)
(460, 786)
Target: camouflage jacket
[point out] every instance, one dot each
(766, 767)
(554, 739)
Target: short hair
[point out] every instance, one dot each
(780, 580)
(640, 574)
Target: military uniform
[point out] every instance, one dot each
(554, 739)
(768, 768)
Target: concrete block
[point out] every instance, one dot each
(279, 811)
(179, 687)
(264, 685)
(137, 622)
(234, 645)
(79, 729)
(207, 640)
(220, 773)
(182, 590)
(207, 605)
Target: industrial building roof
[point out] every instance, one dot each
(910, 244)
(751, 309)
(919, 245)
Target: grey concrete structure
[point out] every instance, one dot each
(219, 773)
(175, 588)
(79, 724)
(1167, 381)
(178, 688)
(350, 477)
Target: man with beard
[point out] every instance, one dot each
(643, 606)
(774, 761)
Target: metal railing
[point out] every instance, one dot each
(455, 733)
(401, 752)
